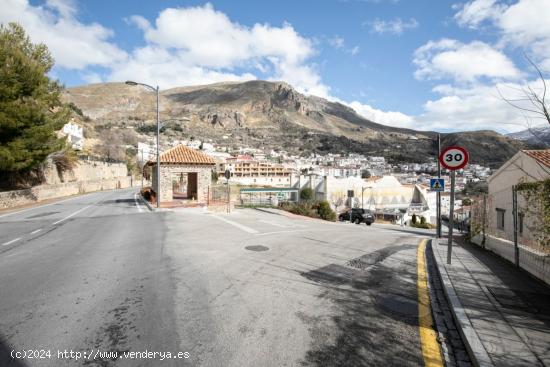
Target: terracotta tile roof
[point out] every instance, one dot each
(183, 155)
(542, 156)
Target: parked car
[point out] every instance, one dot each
(358, 215)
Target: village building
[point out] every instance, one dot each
(185, 175)
(74, 134)
(524, 166)
(250, 172)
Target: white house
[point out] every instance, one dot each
(74, 134)
(525, 165)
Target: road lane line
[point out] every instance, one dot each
(38, 230)
(137, 204)
(17, 253)
(431, 352)
(275, 224)
(238, 225)
(75, 213)
(12, 241)
(42, 206)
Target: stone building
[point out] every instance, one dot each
(185, 174)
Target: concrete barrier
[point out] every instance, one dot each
(11, 199)
(534, 262)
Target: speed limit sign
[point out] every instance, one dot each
(453, 158)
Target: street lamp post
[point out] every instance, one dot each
(156, 90)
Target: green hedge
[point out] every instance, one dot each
(319, 209)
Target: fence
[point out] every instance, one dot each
(509, 216)
(508, 224)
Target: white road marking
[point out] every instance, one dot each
(295, 230)
(75, 213)
(238, 225)
(137, 204)
(276, 224)
(17, 253)
(12, 241)
(42, 206)
(38, 230)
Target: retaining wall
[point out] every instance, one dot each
(10, 199)
(534, 262)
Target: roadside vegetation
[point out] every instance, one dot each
(309, 207)
(420, 223)
(31, 111)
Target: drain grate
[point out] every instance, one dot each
(257, 248)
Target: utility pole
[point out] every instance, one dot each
(158, 149)
(438, 206)
(142, 167)
(515, 215)
(484, 220)
(451, 218)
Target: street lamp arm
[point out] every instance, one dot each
(129, 82)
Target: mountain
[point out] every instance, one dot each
(536, 136)
(272, 115)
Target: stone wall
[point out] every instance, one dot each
(204, 179)
(534, 262)
(11, 199)
(85, 170)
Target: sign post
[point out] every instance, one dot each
(438, 221)
(227, 175)
(452, 158)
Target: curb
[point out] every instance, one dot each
(149, 206)
(477, 352)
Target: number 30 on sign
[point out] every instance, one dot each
(453, 158)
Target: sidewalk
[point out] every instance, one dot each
(502, 313)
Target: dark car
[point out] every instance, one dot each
(358, 216)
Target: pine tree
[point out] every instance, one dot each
(30, 107)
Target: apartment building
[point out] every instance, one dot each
(246, 171)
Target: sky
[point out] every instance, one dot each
(439, 65)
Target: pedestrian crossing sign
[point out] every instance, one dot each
(437, 184)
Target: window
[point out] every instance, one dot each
(500, 218)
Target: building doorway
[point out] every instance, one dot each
(184, 186)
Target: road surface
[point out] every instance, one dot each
(100, 274)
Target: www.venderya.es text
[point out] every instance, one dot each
(95, 354)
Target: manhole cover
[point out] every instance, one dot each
(257, 248)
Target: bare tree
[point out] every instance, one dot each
(531, 103)
(111, 145)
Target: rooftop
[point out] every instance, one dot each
(184, 155)
(542, 156)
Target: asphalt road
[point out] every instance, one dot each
(100, 273)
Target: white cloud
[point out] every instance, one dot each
(74, 45)
(477, 107)
(354, 51)
(524, 24)
(92, 78)
(474, 13)
(336, 42)
(390, 118)
(200, 45)
(462, 62)
(395, 26)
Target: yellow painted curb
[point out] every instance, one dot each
(431, 352)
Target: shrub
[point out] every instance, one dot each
(325, 212)
(306, 194)
(413, 219)
(422, 220)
